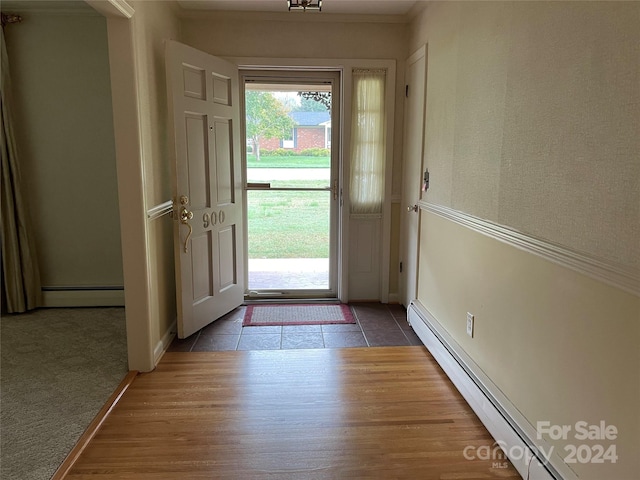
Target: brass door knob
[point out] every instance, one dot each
(185, 216)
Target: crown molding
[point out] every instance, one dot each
(309, 17)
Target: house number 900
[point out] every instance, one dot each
(209, 220)
(212, 218)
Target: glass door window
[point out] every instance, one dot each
(291, 186)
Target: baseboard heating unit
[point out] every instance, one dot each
(512, 432)
(83, 296)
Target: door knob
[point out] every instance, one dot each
(412, 208)
(185, 216)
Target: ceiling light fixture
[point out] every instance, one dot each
(304, 5)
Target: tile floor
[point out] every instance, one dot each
(376, 325)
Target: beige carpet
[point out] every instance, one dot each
(58, 367)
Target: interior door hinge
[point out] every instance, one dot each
(406, 91)
(400, 267)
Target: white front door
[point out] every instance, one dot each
(412, 173)
(208, 231)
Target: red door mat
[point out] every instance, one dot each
(296, 314)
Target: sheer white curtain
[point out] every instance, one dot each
(367, 141)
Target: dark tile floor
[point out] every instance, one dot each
(376, 325)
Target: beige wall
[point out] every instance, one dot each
(64, 124)
(230, 34)
(532, 122)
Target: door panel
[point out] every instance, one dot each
(224, 162)
(198, 159)
(228, 253)
(203, 102)
(202, 261)
(221, 90)
(194, 82)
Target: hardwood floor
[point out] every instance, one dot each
(353, 413)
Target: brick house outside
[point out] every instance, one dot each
(312, 130)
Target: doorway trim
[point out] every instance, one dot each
(346, 66)
(126, 115)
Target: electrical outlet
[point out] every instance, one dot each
(470, 318)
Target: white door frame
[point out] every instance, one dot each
(308, 76)
(130, 175)
(346, 66)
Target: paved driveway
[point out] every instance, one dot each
(265, 174)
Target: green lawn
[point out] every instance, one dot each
(288, 162)
(289, 224)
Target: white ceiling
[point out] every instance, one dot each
(345, 7)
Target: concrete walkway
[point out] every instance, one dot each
(288, 273)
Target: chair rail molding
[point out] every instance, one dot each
(160, 210)
(620, 276)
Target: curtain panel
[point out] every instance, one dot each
(20, 274)
(367, 141)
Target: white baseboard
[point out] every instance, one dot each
(501, 418)
(164, 343)
(83, 298)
